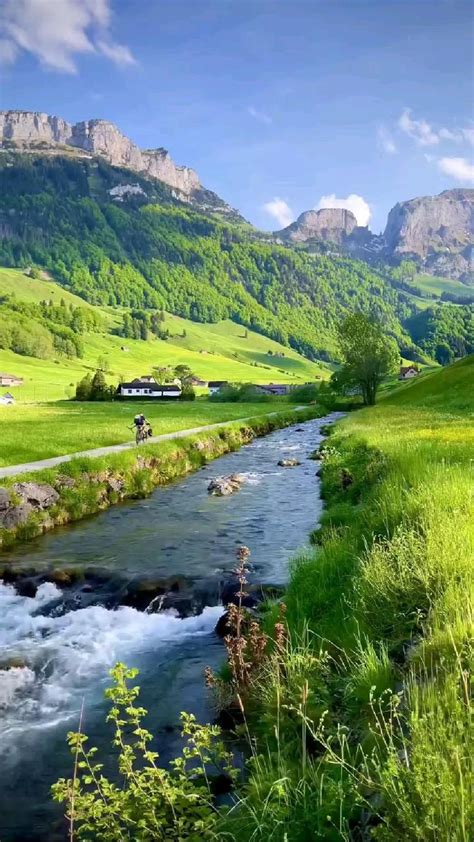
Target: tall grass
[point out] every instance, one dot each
(362, 728)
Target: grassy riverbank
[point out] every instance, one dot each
(89, 485)
(362, 720)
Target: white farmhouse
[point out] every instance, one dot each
(148, 388)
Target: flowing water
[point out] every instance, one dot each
(63, 649)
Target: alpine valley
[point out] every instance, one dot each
(123, 227)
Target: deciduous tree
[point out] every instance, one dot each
(369, 355)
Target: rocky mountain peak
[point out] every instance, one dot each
(434, 231)
(329, 224)
(36, 131)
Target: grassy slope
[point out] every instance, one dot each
(431, 285)
(389, 595)
(436, 286)
(33, 432)
(215, 351)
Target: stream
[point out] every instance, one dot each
(62, 641)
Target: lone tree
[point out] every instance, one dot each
(368, 355)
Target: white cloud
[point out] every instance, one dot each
(458, 168)
(56, 31)
(261, 116)
(386, 141)
(279, 210)
(117, 53)
(426, 135)
(468, 135)
(421, 131)
(357, 204)
(447, 134)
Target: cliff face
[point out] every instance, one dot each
(42, 132)
(330, 224)
(434, 231)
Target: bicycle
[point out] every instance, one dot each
(141, 433)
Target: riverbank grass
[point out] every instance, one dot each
(363, 723)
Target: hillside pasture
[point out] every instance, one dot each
(221, 351)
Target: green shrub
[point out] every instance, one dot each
(145, 801)
(304, 394)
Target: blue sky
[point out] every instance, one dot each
(280, 105)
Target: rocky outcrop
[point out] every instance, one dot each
(38, 132)
(27, 127)
(434, 230)
(223, 486)
(25, 499)
(39, 495)
(288, 463)
(329, 224)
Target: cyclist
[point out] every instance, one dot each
(139, 420)
(142, 427)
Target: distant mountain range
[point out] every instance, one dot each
(128, 228)
(434, 231)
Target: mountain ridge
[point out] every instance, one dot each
(434, 231)
(124, 241)
(43, 133)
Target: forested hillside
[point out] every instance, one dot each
(139, 248)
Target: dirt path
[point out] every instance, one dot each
(27, 467)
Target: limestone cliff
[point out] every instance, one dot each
(435, 230)
(33, 131)
(330, 224)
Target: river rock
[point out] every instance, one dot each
(288, 463)
(222, 628)
(4, 499)
(63, 481)
(223, 486)
(115, 484)
(38, 495)
(15, 515)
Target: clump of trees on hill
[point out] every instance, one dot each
(45, 329)
(140, 324)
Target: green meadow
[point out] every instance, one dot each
(436, 285)
(37, 431)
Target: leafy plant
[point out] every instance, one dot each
(143, 801)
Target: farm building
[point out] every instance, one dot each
(216, 385)
(6, 399)
(147, 389)
(10, 380)
(407, 372)
(273, 389)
